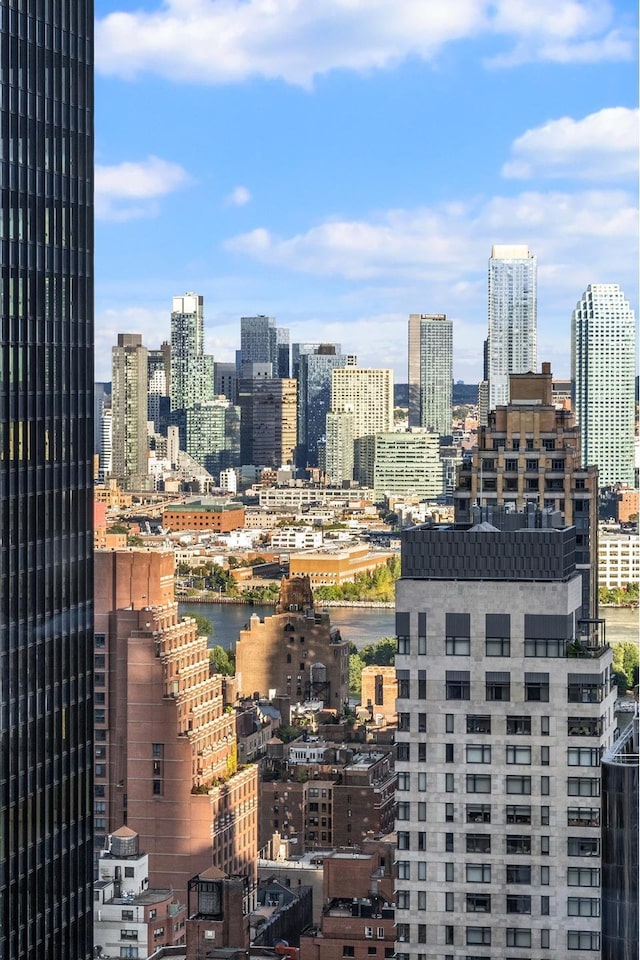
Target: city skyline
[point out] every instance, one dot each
(310, 182)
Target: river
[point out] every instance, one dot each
(363, 625)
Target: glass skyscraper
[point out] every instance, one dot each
(46, 446)
(512, 336)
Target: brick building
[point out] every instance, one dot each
(336, 564)
(204, 515)
(378, 694)
(295, 653)
(166, 754)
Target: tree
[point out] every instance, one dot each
(203, 623)
(382, 653)
(625, 662)
(355, 674)
(223, 661)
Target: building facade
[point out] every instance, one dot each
(603, 358)
(368, 395)
(339, 447)
(129, 398)
(502, 719)
(430, 372)
(408, 464)
(46, 477)
(618, 560)
(512, 332)
(192, 373)
(314, 398)
(268, 415)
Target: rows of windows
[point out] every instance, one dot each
(511, 873)
(522, 904)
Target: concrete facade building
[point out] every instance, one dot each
(336, 564)
(603, 359)
(268, 421)
(618, 560)
(368, 395)
(159, 383)
(408, 464)
(129, 443)
(166, 753)
(339, 447)
(191, 369)
(502, 718)
(430, 372)
(512, 330)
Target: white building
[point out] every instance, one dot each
(295, 538)
(105, 462)
(502, 717)
(408, 464)
(192, 374)
(338, 452)
(368, 395)
(618, 560)
(512, 332)
(603, 372)
(430, 372)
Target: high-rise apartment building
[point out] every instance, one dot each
(130, 442)
(512, 334)
(210, 433)
(503, 715)
(192, 373)
(430, 372)
(159, 382)
(314, 397)
(338, 448)
(268, 415)
(528, 456)
(46, 477)
(603, 357)
(408, 464)
(368, 395)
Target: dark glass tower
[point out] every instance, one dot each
(46, 444)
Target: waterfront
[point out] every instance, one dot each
(363, 625)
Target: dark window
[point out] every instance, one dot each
(518, 874)
(478, 843)
(519, 726)
(478, 724)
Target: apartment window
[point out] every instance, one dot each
(422, 840)
(448, 842)
(478, 753)
(583, 787)
(583, 690)
(422, 685)
(536, 685)
(403, 645)
(448, 902)
(519, 726)
(126, 915)
(518, 844)
(583, 940)
(422, 723)
(583, 907)
(403, 869)
(403, 688)
(518, 904)
(458, 685)
(544, 816)
(448, 813)
(449, 722)
(422, 811)
(403, 752)
(478, 813)
(477, 935)
(545, 845)
(403, 811)
(404, 781)
(518, 754)
(449, 872)
(518, 813)
(478, 724)
(544, 726)
(422, 782)
(544, 756)
(99, 639)
(583, 877)
(583, 847)
(544, 876)
(478, 783)
(518, 937)
(127, 934)
(518, 874)
(518, 785)
(584, 726)
(498, 647)
(581, 817)
(458, 646)
(478, 872)
(448, 782)
(478, 843)
(544, 906)
(402, 933)
(403, 903)
(448, 753)
(498, 686)
(422, 900)
(404, 722)
(537, 647)
(448, 934)
(478, 903)
(403, 840)
(422, 933)
(349, 951)
(583, 756)
(99, 661)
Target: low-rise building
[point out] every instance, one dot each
(335, 565)
(215, 515)
(618, 560)
(296, 538)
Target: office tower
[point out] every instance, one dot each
(502, 718)
(101, 401)
(210, 433)
(167, 761)
(368, 395)
(430, 372)
(281, 352)
(603, 355)
(130, 444)
(225, 381)
(338, 451)
(267, 421)
(191, 368)
(529, 455)
(314, 398)
(159, 381)
(262, 342)
(46, 477)
(105, 461)
(408, 464)
(512, 336)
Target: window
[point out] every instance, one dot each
(584, 726)
(583, 877)
(544, 786)
(128, 934)
(544, 816)
(403, 869)
(536, 685)
(448, 934)
(478, 783)
(544, 648)
(448, 842)
(126, 915)
(479, 935)
(581, 817)
(478, 753)
(518, 874)
(403, 811)
(404, 781)
(518, 754)
(449, 872)
(544, 726)
(422, 840)
(583, 940)
(349, 951)
(448, 813)
(448, 902)
(478, 843)
(422, 781)
(402, 933)
(518, 785)
(585, 691)
(544, 876)
(518, 813)
(458, 685)
(403, 688)
(478, 724)
(583, 787)
(498, 686)
(478, 903)
(403, 902)
(518, 937)
(583, 907)
(448, 752)
(422, 723)
(478, 872)
(449, 723)
(403, 839)
(583, 757)
(422, 685)
(458, 646)
(448, 782)
(518, 904)
(403, 645)
(403, 752)
(498, 647)
(518, 726)
(518, 844)
(544, 756)
(422, 811)
(422, 900)
(404, 722)
(478, 813)
(583, 847)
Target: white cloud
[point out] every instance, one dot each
(223, 41)
(238, 197)
(602, 146)
(128, 191)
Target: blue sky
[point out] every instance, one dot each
(339, 164)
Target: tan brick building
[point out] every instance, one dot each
(165, 753)
(200, 515)
(378, 694)
(336, 564)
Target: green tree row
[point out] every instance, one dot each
(625, 665)
(378, 585)
(381, 654)
(621, 597)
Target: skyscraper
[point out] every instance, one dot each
(430, 372)
(192, 371)
(261, 341)
(368, 395)
(267, 421)
(46, 447)
(129, 399)
(512, 335)
(314, 397)
(603, 373)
